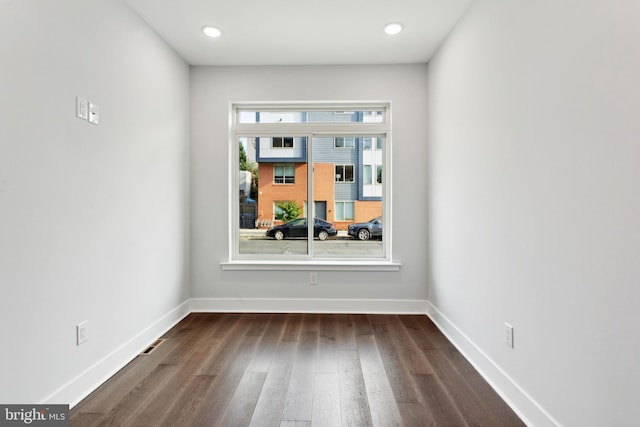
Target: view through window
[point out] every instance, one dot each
(285, 157)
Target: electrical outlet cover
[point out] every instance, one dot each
(94, 113)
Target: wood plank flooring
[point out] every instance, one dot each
(287, 370)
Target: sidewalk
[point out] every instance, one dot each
(261, 232)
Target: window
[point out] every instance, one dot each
(366, 175)
(345, 142)
(344, 211)
(335, 155)
(284, 174)
(281, 142)
(314, 114)
(344, 173)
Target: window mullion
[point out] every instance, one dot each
(318, 128)
(310, 197)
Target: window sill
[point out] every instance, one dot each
(315, 265)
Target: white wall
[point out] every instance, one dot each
(212, 88)
(93, 219)
(534, 143)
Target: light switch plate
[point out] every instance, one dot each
(94, 113)
(508, 335)
(82, 111)
(82, 332)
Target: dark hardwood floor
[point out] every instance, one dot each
(297, 370)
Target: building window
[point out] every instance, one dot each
(281, 142)
(344, 211)
(367, 175)
(372, 144)
(335, 155)
(341, 142)
(284, 174)
(344, 173)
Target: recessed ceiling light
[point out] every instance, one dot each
(212, 32)
(393, 28)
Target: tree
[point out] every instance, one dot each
(248, 165)
(286, 211)
(243, 158)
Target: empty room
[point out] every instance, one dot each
(471, 168)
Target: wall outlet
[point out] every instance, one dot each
(82, 332)
(94, 113)
(313, 278)
(508, 335)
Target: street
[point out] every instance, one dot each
(255, 242)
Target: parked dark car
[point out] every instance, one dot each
(298, 228)
(366, 230)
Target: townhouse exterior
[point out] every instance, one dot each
(347, 171)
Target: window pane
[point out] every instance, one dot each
(348, 173)
(366, 174)
(348, 211)
(289, 175)
(345, 178)
(314, 116)
(339, 211)
(272, 219)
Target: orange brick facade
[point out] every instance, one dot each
(366, 210)
(323, 188)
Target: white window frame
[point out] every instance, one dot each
(343, 202)
(284, 176)
(343, 179)
(283, 140)
(312, 130)
(351, 140)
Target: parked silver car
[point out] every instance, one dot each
(366, 230)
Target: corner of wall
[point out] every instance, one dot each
(530, 411)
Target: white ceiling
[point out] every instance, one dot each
(301, 32)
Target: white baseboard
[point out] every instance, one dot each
(519, 400)
(285, 305)
(89, 380)
(85, 383)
